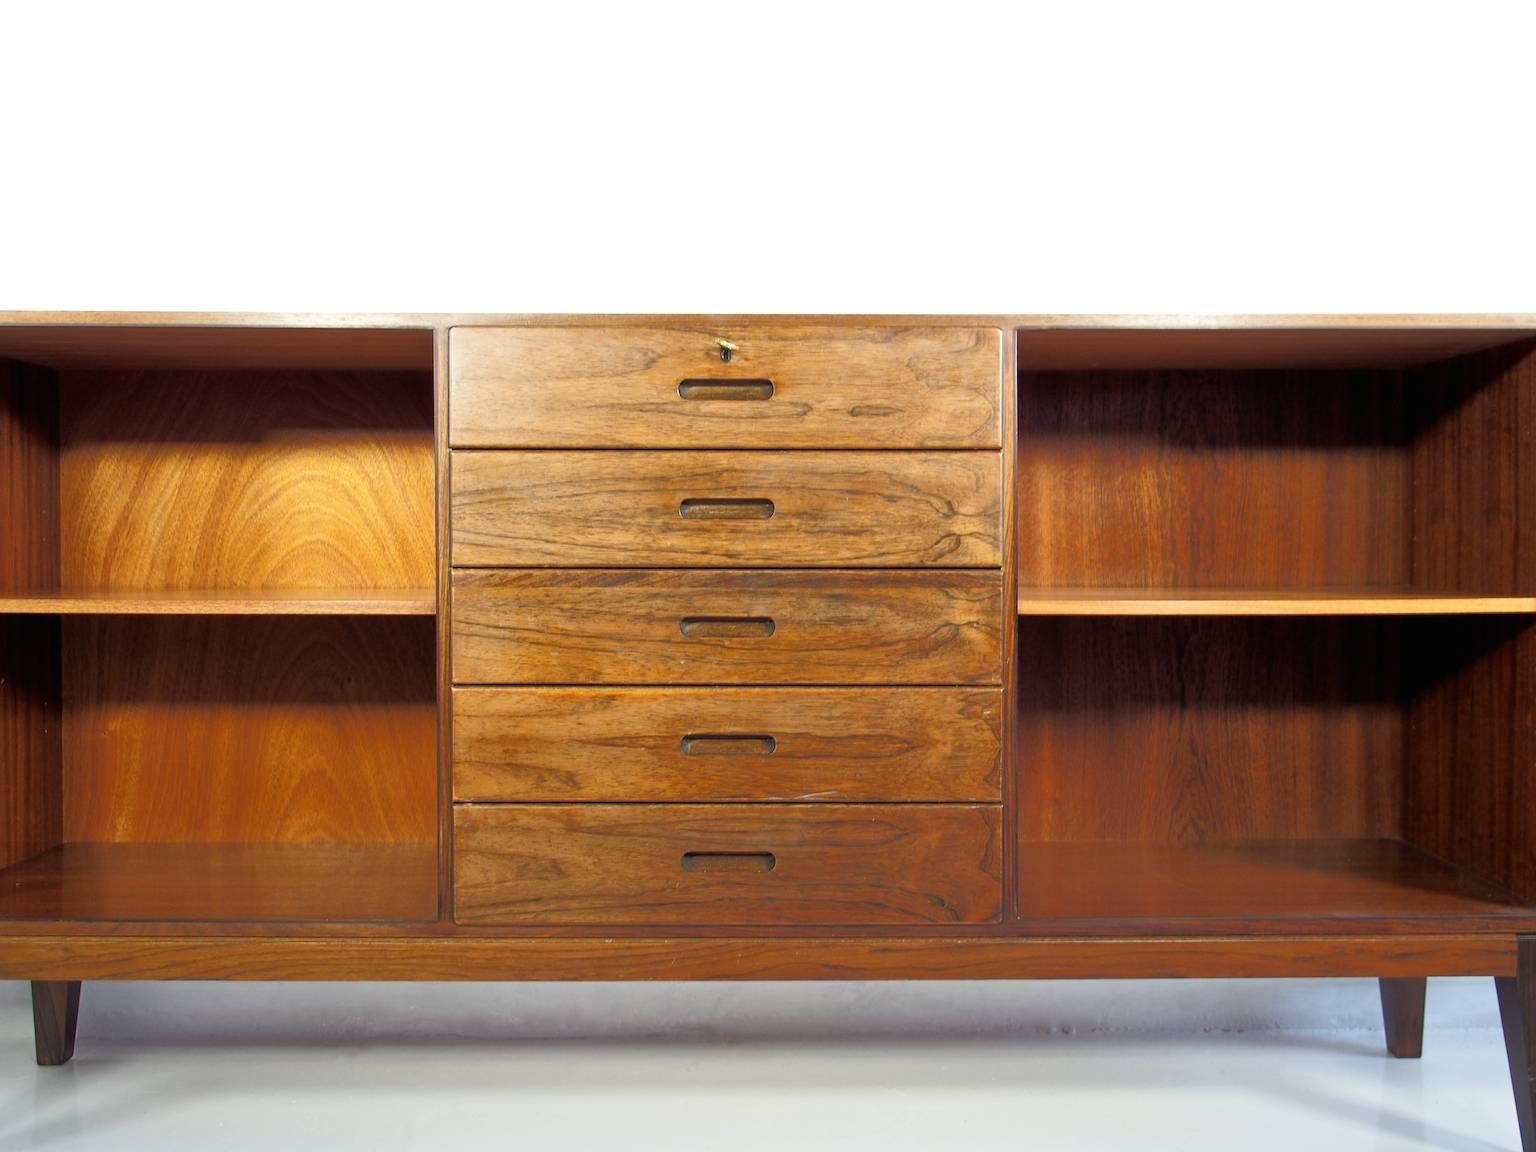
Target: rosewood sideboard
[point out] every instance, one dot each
(357, 647)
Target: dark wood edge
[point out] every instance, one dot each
(1488, 321)
(444, 632)
(212, 958)
(1010, 654)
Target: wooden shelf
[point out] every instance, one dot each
(224, 883)
(1261, 602)
(231, 602)
(1283, 884)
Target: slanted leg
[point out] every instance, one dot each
(1402, 1011)
(55, 1012)
(1517, 1009)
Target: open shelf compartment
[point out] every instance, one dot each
(217, 635)
(1278, 473)
(1276, 649)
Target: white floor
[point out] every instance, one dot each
(1188, 1066)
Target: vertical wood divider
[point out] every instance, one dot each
(1010, 450)
(444, 633)
(31, 747)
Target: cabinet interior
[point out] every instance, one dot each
(1275, 628)
(217, 620)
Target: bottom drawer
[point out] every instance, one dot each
(726, 864)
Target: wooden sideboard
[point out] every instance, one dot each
(619, 647)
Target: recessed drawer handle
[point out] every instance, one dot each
(728, 745)
(728, 861)
(711, 508)
(708, 627)
(726, 389)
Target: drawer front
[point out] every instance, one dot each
(727, 509)
(783, 387)
(693, 744)
(607, 626)
(726, 864)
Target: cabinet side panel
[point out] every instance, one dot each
(1473, 474)
(1471, 754)
(1471, 782)
(30, 806)
(29, 487)
(30, 809)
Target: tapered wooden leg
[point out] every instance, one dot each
(1402, 1011)
(55, 1012)
(1517, 1009)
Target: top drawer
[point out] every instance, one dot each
(782, 387)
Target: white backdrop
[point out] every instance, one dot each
(806, 157)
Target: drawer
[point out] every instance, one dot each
(682, 744)
(783, 387)
(727, 509)
(726, 864)
(614, 626)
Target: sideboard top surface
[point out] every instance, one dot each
(403, 340)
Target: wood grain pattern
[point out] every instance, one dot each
(31, 810)
(55, 1016)
(1261, 602)
(265, 602)
(31, 751)
(865, 387)
(947, 957)
(1472, 472)
(246, 481)
(106, 340)
(1402, 1015)
(603, 626)
(227, 730)
(624, 864)
(29, 487)
(823, 744)
(1183, 730)
(823, 509)
(1274, 882)
(224, 882)
(1219, 480)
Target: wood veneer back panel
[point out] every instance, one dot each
(1212, 479)
(1180, 730)
(226, 730)
(246, 480)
